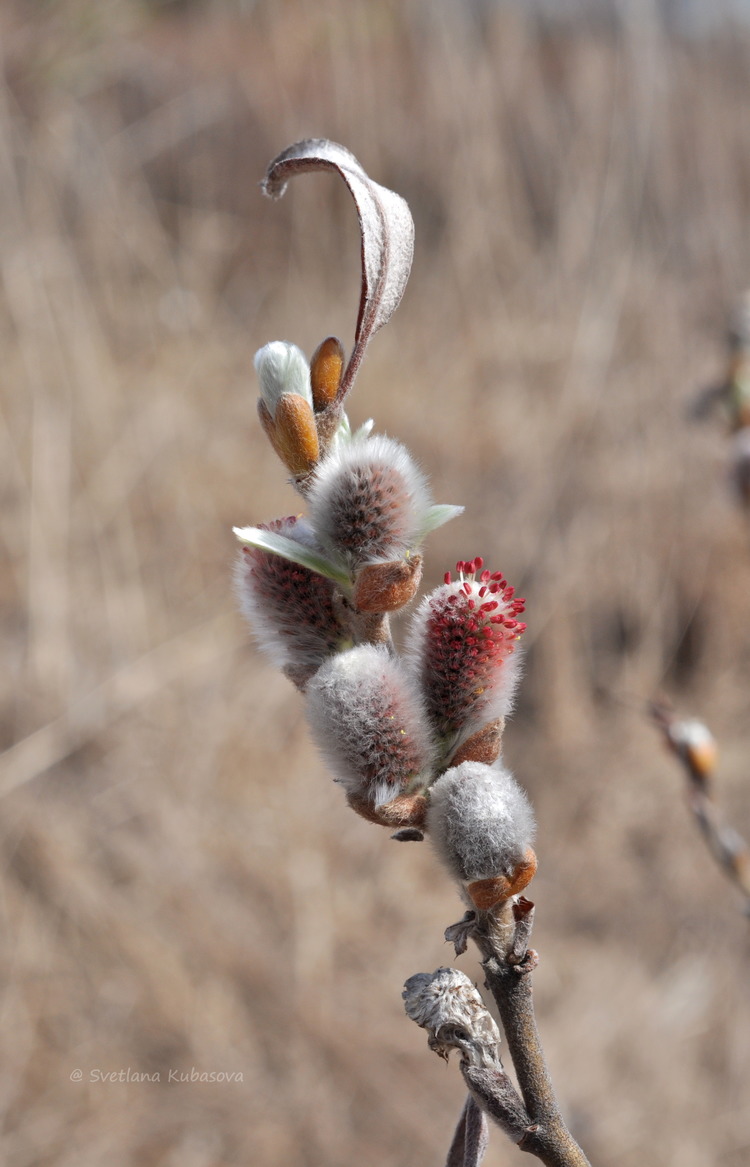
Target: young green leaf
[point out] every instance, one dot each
(296, 552)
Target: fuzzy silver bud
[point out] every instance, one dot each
(282, 368)
(480, 821)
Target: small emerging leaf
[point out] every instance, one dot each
(344, 433)
(386, 227)
(437, 516)
(290, 549)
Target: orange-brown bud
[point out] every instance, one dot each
(701, 757)
(326, 368)
(386, 587)
(482, 746)
(406, 810)
(486, 893)
(291, 432)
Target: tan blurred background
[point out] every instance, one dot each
(182, 884)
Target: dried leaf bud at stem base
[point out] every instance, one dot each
(448, 1005)
(368, 721)
(291, 609)
(482, 826)
(463, 646)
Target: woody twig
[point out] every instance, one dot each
(693, 744)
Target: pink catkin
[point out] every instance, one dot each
(289, 607)
(367, 501)
(464, 636)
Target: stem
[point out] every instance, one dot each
(471, 1137)
(728, 847)
(500, 936)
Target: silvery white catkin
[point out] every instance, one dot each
(368, 720)
(368, 501)
(290, 608)
(282, 368)
(480, 821)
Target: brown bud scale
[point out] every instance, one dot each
(326, 367)
(386, 587)
(296, 435)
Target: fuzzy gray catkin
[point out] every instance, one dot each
(368, 720)
(480, 821)
(290, 608)
(368, 501)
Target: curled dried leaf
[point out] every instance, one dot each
(386, 227)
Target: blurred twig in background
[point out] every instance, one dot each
(693, 745)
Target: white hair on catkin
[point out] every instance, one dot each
(368, 500)
(368, 720)
(480, 821)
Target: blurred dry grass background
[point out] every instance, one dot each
(182, 885)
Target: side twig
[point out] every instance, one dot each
(693, 745)
(471, 1137)
(448, 1006)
